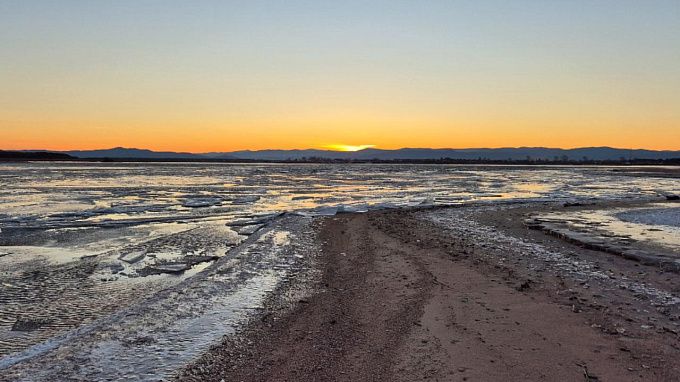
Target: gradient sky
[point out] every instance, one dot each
(226, 75)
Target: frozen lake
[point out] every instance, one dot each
(54, 195)
(108, 261)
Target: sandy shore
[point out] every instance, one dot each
(459, 294)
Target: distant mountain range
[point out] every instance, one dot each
(122, 153)
(498, 154)
(517, 153)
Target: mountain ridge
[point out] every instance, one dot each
(597, 153)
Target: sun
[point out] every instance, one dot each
(341, 147)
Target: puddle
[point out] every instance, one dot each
(626, 225)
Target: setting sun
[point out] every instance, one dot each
(339, 147)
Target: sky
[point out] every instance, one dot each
(206, 76)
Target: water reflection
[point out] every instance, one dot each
(655, 224)
(52, 194)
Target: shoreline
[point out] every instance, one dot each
(401, 296)
(464, 292)
(662, 168)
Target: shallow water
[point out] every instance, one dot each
(654, 224)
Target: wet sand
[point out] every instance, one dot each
(459, 294)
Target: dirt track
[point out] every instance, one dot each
(400, 300)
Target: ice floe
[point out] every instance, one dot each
(201, 202)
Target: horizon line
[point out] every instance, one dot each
(374, 147)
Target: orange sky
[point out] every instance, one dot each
(223, 76)
(307, 132)
(388, 135)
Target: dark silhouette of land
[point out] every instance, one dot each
(34, 155)
(515, 156)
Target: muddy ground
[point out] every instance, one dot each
(460, 294)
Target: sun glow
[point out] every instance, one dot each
(339, 147)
